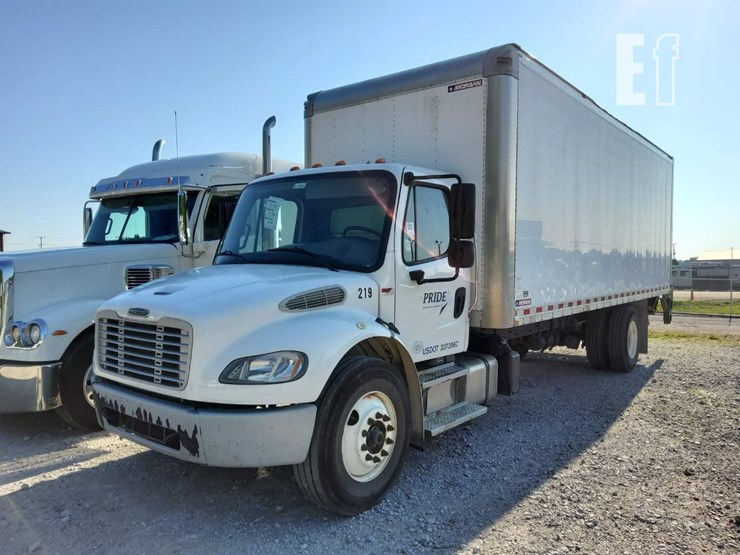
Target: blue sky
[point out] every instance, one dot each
(86, 87)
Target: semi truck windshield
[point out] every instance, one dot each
(336, 220)
(136, 219)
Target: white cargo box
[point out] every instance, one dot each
(573, 208)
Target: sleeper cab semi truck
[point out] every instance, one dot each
(366, 305)
(48, 298)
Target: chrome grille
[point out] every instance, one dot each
(157, 353)
(314, 299)
(136, 276)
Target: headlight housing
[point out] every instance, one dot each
(270, 368)
(22, 335)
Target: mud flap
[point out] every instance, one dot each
(666, 303)
(508, 372)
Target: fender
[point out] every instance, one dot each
(73, 317)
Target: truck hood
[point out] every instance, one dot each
(214, 292)
(54, 259)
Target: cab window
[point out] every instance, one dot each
(426, 226)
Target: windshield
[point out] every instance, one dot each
(337, 220)
(136, 219)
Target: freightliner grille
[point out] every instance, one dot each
(156, 353)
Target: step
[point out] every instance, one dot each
(440, 374)
(453, 416)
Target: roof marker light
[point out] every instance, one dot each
(316, 165)
(295, 168)
(380, 160)
(340, 163)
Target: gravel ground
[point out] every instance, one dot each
(579, 461)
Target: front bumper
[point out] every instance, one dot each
(29, 388)
(238, 437)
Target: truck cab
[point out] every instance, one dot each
(319, 270)
(48, 297)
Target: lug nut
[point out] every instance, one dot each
(390, 427)
(388, 441)
(368, 457)
(386, 418)
(363, 447)
(378, 415)
(384, 452)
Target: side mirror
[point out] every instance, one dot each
(462, 218)
(461, 253)
(87, 217)
(182, 218)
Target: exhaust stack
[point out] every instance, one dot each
(267, 145)
(157, 149)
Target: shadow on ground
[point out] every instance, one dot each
(465, 481)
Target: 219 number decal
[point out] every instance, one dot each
(364, 292)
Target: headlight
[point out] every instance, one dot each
(25, 336)
(279, 367)
(14, 334)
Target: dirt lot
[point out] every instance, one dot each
(578, 462)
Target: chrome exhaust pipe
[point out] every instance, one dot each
(157, 149)
(267, 145)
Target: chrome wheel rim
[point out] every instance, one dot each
(369, 436)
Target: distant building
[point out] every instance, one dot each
(710, 271)
(2, 235)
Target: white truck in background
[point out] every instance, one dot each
(48, 297)
(359, 307)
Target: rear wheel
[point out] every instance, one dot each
(597, 348)
(360, 438)
(75, 387)
(624, 339)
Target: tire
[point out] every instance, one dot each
(77, 409)
(597, 349)
(367, 399)
(624, 342)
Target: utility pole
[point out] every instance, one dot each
(41, 240)
(729, 274)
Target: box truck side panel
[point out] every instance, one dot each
(593, 205)
(436, 127)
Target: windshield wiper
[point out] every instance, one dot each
(301, 250)
(236, 255)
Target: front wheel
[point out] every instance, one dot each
(75, 387)
(360, 438)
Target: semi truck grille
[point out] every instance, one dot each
(139, 275)
(157, 353)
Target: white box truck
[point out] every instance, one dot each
(371, 303)
(48, 297)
